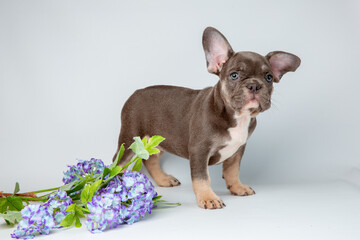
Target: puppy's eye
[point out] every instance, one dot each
(269, 77)
(234, 76)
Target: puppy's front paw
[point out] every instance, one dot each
(209, 201)
(167, 181)
(239, 189)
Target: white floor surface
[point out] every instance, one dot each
(301, 211)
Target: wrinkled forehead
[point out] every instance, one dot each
(248, 62)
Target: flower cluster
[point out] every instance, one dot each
(36, 219)
(42, 218)
(126, 199)
(93, 167)
(56, 206)
(107, 196)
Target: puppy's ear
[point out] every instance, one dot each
(217, 49)
(282, 62)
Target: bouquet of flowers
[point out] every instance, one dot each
(107, 196)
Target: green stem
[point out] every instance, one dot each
(46, 190)
(33, 199)
(130, 162)
(167, 203)
(45, 196)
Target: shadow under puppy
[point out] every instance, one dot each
(209, 126)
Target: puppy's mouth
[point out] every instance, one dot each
(252, 106)
(251, 103)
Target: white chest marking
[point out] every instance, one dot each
(238, 136)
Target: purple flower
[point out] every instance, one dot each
(126, 199)
(57, 204)
(105, 212)
(42, 218)
(93, 167)
(36, 219)
(131, 177)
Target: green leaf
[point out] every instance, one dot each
(88, 192)
(71, 208)
(11, 203)
(144, 140)
(157, 197)
(68, 220)
(154, 141)
(115, 171)
(11, 217)
(17, 188)
(93, 188)
(85, 193)
(68, 186)
(3, 205)
(78, 185)
(118, 157)
(79, 212)
(14, 203)
(152, 151)
(137, 166)
(76, 212)
(139, 149)
(106, 172)
(85, 211)
(77, 222)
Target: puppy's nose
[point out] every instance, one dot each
(253, 87)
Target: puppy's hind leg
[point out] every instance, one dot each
(161, 178)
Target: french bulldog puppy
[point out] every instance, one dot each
(208, 126)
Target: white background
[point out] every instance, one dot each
(67, 67)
